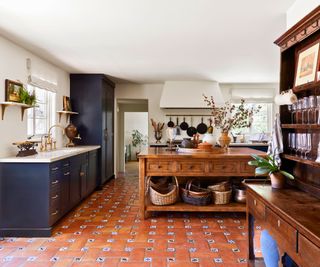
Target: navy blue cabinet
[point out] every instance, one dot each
(34, 196)
(92, 95)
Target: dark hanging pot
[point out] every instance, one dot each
(202, 127)
(170, 123)
(191, 131)
(184, 126)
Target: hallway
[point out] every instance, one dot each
(105, 231)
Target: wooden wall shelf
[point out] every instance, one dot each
(301, 126)
(22, 106)
(301, 160)
(306, 87)
(67, 113)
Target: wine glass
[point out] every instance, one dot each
(299, 111)
(308, 146)
(312, 109)
(293, 113)
(304, 110)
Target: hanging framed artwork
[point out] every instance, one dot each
(307, 65)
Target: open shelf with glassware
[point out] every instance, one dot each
(22, 106)
(301, 121)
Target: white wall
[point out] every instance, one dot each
(299, 9)
(135, 121)
(13, 67)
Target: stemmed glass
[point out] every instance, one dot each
(312, 109)
(293, 113)
(317, 116)
(299, 111)
(305, 110)
(308, 146)
(290, 111)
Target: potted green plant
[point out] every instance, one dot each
(269, 166)
(26, 97)
(137, 140)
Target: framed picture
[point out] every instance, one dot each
(13, 90)
(66, 103)
(307, 65)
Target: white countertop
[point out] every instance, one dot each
(50, 156)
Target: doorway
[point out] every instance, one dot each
(132, 121)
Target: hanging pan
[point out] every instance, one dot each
(184, 126)
(202, 127)
(191, 131)
(178, 130)
(170, 123)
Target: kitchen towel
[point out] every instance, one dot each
(276, 144)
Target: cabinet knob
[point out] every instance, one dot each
(255, 202)
(81, 174)
(190, 167)
(55, 182)
(279, 223)
(159, 166)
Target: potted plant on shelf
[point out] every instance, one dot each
(269, 166)
(26, 97)
(138, 140)
(229, 117)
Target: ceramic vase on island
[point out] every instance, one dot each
(209, 138)
(224, 140)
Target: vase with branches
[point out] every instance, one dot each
(230, 116)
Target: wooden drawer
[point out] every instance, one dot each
(308, 252)
(256, 207)
(191, 166)
(283, 232)
(157, 166)
(246, 169)
(224, 167)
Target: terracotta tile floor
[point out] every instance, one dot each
(105, 230)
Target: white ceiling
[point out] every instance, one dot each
(152, 40)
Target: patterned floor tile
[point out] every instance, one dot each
(105, 230)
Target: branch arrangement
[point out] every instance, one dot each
(231, 116)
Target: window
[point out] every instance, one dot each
(262, 121)
(43, 116)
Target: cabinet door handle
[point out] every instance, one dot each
(55, 213)
(279, 223)
(55, 182)
(255, 202)
(56, 196)
(66, 165)
(55, 169)
(66, 173)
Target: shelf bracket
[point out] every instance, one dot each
(3, 108)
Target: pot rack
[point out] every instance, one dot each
(188, 115)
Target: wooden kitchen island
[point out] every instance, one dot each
(161, 162)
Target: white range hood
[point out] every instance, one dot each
(189, 94)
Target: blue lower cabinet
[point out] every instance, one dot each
(34, 196)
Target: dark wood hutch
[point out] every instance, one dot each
(292, 215)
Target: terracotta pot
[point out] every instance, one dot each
(224, 140)
(277, 180)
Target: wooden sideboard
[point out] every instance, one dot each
(291, 216)
(161, 162)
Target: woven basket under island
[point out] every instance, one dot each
(159, 162)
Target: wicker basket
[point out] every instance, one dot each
(195, 195)
(223, 186)
(221, 197)
(163, 195)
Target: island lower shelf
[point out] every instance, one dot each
(184, 207)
